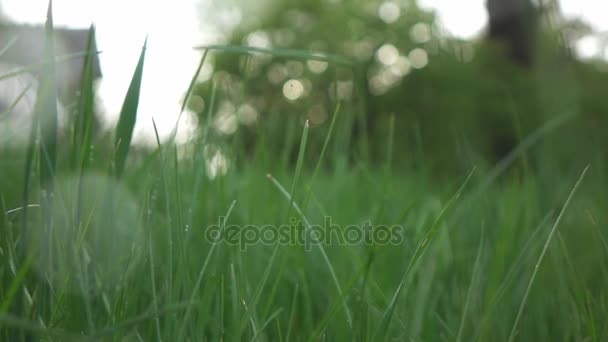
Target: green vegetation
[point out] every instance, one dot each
(102, 241)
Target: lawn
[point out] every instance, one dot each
(100, 240)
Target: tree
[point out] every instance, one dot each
(512, 24)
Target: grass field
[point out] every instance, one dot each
(99, 241)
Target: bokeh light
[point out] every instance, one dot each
(295, 69)
(389, 12)
(216, 162)
(419, 58)
(226, 121)
(247, 114)
(420, 32)
(387, 54)
(401, 67)
(317, 115)
(317, 67)
(293, 89)
(259, 39)
(197, 103)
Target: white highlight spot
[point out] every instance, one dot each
(226, 121)
(389, 12)
(293, 89)
(387, 54)
(418, 58)
(315, 66)
(420, 32)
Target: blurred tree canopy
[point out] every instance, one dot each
(456, 103)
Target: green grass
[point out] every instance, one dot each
(116, 248)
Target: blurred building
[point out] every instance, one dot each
(23, 46)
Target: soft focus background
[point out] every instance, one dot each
(130, 131)
(175, 28)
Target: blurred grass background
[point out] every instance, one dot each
(493, 168)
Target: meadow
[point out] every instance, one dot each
(100, 240)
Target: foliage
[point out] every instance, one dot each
(470, 105)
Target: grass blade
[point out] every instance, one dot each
(301, 153)
(188, 93)
(543, 252)
(321, 249)
(273, 316)
(334, 119)
(46, 109)
(382, 330)
(83, 125)
(128, 116)
(201, 274)
(281, 52)
(292, 313)
(474, 278)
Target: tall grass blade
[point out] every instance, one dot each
(130, 322)
(296, 178)
(128, 116)
(201, 275)
(543, 252)
(308, 226)
(46, 109)
(265, 324)
(188, 93)
(154, 294)
(474, 278)
(292, 313)
(83, 125)
(281, 52)
(382, 329)
(166, 188)
(334, 119)
(8, 45)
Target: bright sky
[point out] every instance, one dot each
(122, 26)
(173, 28)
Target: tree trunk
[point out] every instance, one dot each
(512, 25)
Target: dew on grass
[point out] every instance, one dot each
(94, 237)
